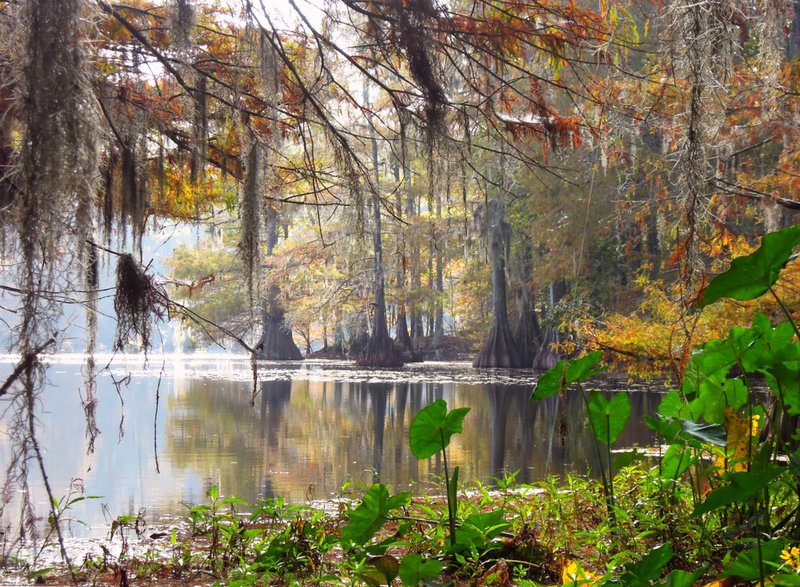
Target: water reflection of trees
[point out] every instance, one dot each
(305, 438)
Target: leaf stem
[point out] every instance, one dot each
(450, 513)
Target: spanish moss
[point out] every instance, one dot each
(138, 302)
(250, 218)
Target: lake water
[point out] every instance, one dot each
(301, 432)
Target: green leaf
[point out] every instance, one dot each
(784, 381)
(388, 565)
(432, 426)
(609, 417)
(371, 514)
(668, 428)
(478, 530)
(678, 578)
(671, 404)
(413, 569)
(643, 572)
(778, 344)
(675, 462)
(747, 567)
(39, 573)
(713, 433)
(372, 576)
(490, 524)
(785, 579)
(751, 276)
(565, 373)
(742, 486)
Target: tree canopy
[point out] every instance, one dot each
(581, 157)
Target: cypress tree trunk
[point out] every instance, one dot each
(380, 350)
(545, 357)
(403, 339)
(500, 348)
(276, 342)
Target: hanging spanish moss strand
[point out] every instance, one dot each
(60, 167)
(769, 30)
(250, 219)
(704, 41)
(271, 83)
(108, 196)
(181, 23)
(92, 281)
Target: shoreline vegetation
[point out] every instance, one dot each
(548, 528)
(551, 533)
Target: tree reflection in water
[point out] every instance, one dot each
(275, 396)
(314, 426)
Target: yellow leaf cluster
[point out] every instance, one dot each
(741, 430)
(574, 576)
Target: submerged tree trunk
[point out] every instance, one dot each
(276, 342)
(500, 348)
(528, 334)
(402, 338)
(380, 350)
(546, 357)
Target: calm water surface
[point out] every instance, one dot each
(174, 427)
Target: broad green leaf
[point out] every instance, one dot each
(609, 417)
(431, 426)
(716, 357)
(784, 381)
(747, 566)
(679, 578)
(779, 345)
(388, 565)
(671, 404)
(667, 427)
(742, 486)
(371, 513)
(372, 576)
(413, 569)
(713, 433)
(675, 461)
(565, 373)
(643, 572)
(489, 523)
(785, 579)
(751, 276)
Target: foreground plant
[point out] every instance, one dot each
(744, 499)
(607, 418)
